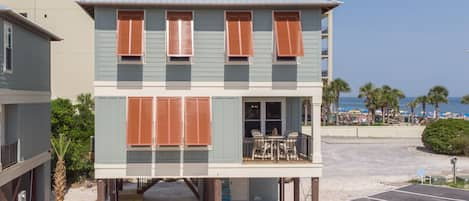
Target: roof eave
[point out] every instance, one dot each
(88, 6)
(22, 21)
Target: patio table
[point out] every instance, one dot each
(275, 144)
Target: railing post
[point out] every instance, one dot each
(18, 150)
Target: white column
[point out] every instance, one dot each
(316, 129)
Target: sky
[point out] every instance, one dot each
(411, 45)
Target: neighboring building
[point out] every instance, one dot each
(24, 108)
(180, 86)
(328, 43)
(73, 58)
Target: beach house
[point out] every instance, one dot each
(209, 91)
(24, 108)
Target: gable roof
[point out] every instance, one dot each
(326, 4)
(13, 17)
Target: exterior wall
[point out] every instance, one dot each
(294, 114)
(110, 123)
(371, 131)
(227, 135)
(72, 59)
(209, 58)
(30, 123)
(33, 73)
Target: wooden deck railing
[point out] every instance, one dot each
(9, 155)
(303, 147)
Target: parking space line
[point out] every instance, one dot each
(425, 195)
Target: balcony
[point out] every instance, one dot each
(277, 149)
(9, 155)
(325, 52)
(325, 73)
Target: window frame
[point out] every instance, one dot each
(226, 40)
(275, 57)
(263, 117)
(170, 56)
(141, 59)
(7, 25)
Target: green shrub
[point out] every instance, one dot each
(447, 136)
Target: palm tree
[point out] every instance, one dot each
(370, 94)
(396, 95)
(327, 100)
(338, 86)
(465, 99)
(60, 146)
(437, 95)
(412, 105)
(384, 99)
(423, 100)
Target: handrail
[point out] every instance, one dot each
(9, 155)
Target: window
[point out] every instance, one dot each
(139, 121)
(169, 121)
(288, 36)
(239, 36)
(8, 48)
(265, 115)
(179, 36)
(197, 121)
(130, 28)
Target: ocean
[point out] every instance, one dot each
(453, 106)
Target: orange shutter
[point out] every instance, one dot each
(169, 121)
(179, 34)
(139, 121)
(239, 34)
(288, 34)
(130, 33)
(197, 121)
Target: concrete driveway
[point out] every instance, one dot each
(355, 168)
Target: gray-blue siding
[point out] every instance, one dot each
(31, 61)
(227, 132)
(209, 52)
(30, 123)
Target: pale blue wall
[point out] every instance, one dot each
(227, 132)
(209, 53)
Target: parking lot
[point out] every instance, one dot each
(359, 168)
(420, 193)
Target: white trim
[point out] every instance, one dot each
(22, 167)
(266, 89)
(220, 170)
(202, 84)
(6, 26)
(8, 96)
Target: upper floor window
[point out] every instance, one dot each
(179, 42)
(288, 36)
(7, 48)
(130, 28)
(239, 36)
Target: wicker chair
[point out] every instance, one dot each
(261, 146)
(288, 147)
